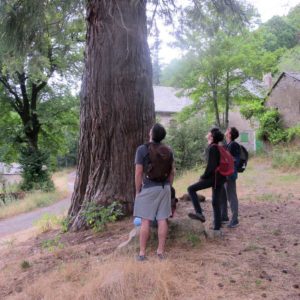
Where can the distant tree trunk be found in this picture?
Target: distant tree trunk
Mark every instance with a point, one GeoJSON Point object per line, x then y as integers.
{"type": "Point", "coordinates": [227, 99]}
{"type": "Point", "coordinates": [117, 108]}
{"type": "Point", "coordinates": [216, 108]}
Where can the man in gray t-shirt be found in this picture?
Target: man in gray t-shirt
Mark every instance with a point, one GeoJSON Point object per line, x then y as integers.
{"type": "Point", "coordinates": [153, 198]}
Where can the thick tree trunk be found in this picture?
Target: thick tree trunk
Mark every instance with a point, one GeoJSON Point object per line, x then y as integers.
{"type": "Point", "coordinates": [117, 108]}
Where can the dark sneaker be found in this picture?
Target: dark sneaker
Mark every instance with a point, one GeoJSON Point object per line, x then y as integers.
{"type": "Point", "coordinates": [197, 216]}
{"type": "Point", "coordinates": [233, 224]}
{"type": "Point", "coordinates": [225, 220]}
{"type": "Point", "coordinates": [141, 258]}
{"type": "Point", "coordinates": [161, 256]}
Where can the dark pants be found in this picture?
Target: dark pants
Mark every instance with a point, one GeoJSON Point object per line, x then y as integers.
{"type": "Point", "coordinates": [229, 194]}
{"type": "Point", "coordinates": [216, 198]}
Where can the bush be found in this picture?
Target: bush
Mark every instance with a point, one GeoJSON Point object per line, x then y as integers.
{"type": "Point", "coordinates": [188, 141]}
{"type": "Point", "coordinates": [35, 173]}
{"type": "Point", "coordinates": [97, 216]}
{"type": "Point", "coordinates": [271, 128]}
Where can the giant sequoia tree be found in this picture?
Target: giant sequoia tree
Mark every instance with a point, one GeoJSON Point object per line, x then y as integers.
{"type": "Point", "coordinates": [117, 108]}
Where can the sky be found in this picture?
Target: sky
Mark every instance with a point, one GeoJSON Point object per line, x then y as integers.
{"type": "Point", "coordinates": [266, 8]}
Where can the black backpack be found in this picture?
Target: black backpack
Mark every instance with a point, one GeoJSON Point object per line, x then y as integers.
{"type": "Point", "coordinates": [160, 162]}
{"type": "Point", "coordinates": [243, 159]}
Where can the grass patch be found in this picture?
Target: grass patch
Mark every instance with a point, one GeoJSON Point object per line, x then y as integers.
{"type": "Point", "coordinates": [38, 199]}
{"type": "Point", "coordinates": [186, 179]}
{"type": "Point", "coordinates": [52, 244]}
{"type": "Point", "coordinates": [269, 197]}
{"type": "Point", "coordinates": [48, 222]}
{"type": "Point", "coordinates": [285, 158]}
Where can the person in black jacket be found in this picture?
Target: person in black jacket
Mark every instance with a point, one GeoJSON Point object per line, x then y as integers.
{"type": "Point", "coordinates": [210, 178]}
{"type": "Point", "coordinates": [229, 192]}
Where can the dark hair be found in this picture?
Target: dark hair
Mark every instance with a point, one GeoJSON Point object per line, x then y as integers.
{"type": "Point", "coordinates": [158, 132]}
{"type": "Point", "coordinates": [234, 133]}
{"type": "Point", "coordinates": [217, 135]}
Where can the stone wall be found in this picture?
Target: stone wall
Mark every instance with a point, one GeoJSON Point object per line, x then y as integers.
{"type": "Point", "coordinates": [285, 96]}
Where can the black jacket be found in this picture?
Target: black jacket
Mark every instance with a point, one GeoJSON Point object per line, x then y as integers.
{"type": "Point", "coordinates": [213, 161]}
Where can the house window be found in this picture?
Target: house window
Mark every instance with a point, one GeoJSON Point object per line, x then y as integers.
{"type": "Point", "coordinates": [244, 137]}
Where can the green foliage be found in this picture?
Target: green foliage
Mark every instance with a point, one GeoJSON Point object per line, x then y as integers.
{"type": "Point", "coordinates": [35, 173]}
{"type": "Point", "coordinates": [252, 109]}
{"type": "Point", "coordinates": [271, 128]}
{"type": "Point", "coordinates": [293, 133]}
{"type": "Point", "coordinates": [47, 222]}
{"type": "Point", "coordinates": [279, 34]}
{"type": "Point", "coordinates": [97, 216]}
{"type": "Point", "coordinates": [193, 239]}
{"type": "Point", "coordinates": [65, 222]}
{"type": "Point", "coordinates": [290, 61]}
{"type": "Point", "coordinates": [188, 141]}
{"type": "Point", "coordinates": [52, 244]}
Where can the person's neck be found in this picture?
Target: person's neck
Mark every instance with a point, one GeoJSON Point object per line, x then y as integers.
{"type": "Point", "coordinates": [228, 141]}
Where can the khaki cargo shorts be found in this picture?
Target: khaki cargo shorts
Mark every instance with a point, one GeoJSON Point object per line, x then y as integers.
{"type": "Point", "coordinates": [153, 203]}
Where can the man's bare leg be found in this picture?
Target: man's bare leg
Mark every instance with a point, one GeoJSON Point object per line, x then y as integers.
{"type": "Point", "coordinates": [162, 235]}
{"type": "Point", "coordinates": [144, 235]}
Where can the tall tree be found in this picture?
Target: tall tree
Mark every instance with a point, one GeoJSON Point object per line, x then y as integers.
{"type": "Point", "coordinates": [35, 49]}
{"type": "Point", "coordinates": [117, 108]}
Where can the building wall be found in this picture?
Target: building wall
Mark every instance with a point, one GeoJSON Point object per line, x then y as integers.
{"type": "Point", "coordinates": [247, 136]}
{"type": "Point", "coordinates": [286, 97]}
{"type": "Point", "coordinates": [164, 118]}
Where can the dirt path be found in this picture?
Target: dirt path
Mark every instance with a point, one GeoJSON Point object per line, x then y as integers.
{"type": "Point", "coordinates": [26, 220]}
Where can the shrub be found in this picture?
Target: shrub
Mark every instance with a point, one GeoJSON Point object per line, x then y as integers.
{"type": "Point", "coordinates": [188, 141]}
{"type": "Point", "coordinates": [35, 173]}
{"type": "Point", "coordinates": [97, 216]}
{"type": "Point", "coordinates": [271, 128]}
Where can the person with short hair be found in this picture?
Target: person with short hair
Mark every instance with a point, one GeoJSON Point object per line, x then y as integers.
{"type": "Point", "coordinates": [153, 197]}
{"type": "Point", "coordinates": [210, 178]}
{"type": "Point", "coordinates": [229, 193]}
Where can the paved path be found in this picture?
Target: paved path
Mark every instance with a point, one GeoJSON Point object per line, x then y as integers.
{"type": "Point", "coordinates": [26, 220]}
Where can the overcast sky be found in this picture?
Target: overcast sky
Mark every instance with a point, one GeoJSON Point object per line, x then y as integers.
{"type": "Point", "coordinates": [266, 8]}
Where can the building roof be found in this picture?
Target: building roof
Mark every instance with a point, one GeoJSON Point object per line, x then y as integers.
{"type": "Point", "coordinates": [165, 100]}
{"type": "Point", "coordinates": [293, 75]}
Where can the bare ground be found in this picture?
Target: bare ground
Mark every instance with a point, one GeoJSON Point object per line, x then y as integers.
{"type": "Point", "coordinates": [259, 259]}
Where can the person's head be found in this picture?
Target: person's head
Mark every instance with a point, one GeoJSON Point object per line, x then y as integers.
{"type": "Point", "coordinates": [231, 134]}
{"type": "Point", "coordinates": [157, 133]}
{"type": "Point", "coordinates": [214, 136]}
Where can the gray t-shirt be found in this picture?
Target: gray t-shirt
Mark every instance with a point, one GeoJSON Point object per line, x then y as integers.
{"type": "Point", "coordinates": [142, 158]}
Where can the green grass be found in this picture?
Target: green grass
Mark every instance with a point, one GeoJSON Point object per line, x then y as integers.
{"type": "Point", "coordinates": [269, 197]}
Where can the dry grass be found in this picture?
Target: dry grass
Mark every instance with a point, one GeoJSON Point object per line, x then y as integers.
{"type": "Point", "coordinates": [38, 199]}
{"type": "Point", "coordinates": [114, 278]}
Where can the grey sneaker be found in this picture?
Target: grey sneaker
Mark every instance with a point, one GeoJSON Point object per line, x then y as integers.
{"type": "Point", "coordinates": [197, 216]}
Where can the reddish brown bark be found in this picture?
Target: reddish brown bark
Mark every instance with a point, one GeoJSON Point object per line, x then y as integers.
{"type": "Point", "coordinates": [117, 108]}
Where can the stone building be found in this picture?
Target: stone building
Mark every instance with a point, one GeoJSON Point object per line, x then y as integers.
{"type": "Point", "coordinates": [285, 96]}
{"type": "Point", "coordinates": [167, 103]}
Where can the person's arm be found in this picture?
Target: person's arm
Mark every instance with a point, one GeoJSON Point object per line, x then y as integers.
{"type": "Point", "coordinates": [138, 178]}
{"type": "Point", "coordinates": [212, 163]}
{"type": "Point", "coordinates": [172, 174]}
